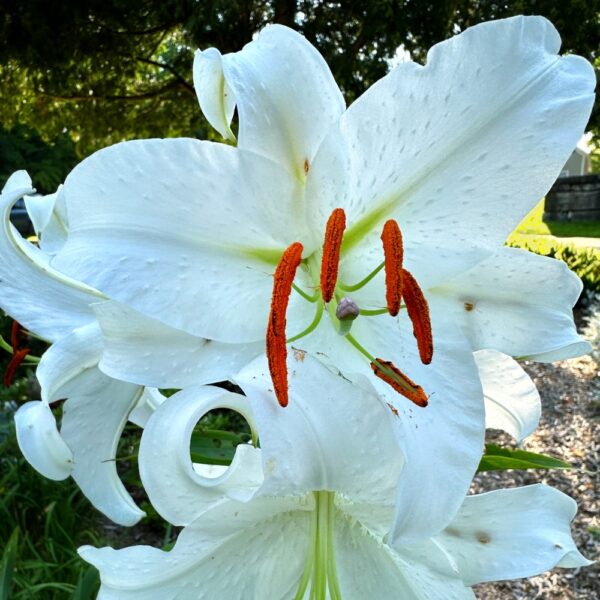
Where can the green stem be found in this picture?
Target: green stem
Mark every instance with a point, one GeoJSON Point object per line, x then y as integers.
{"type": "Point", "coordinates": [305, 295]}
{"type": "Point", "coordinates": [315, 322]}
{"type": "Point", "coordinates": [332, 575]}
{"type": "Point", "coordinates": [362, 282]}
{"type": "Point", "coordinates": [310, 556]}
{"type": "Point", "coordinates": [368, 312]}
{"type": "Point", "coordinates": [353, 341]}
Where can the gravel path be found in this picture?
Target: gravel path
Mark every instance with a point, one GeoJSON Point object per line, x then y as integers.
{"type": "Point", "coordinates": [569, 429]}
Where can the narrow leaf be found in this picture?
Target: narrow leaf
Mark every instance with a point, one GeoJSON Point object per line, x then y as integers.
{"type": "Point", "coordinates": [7, 566]}
{"type": "Point", "coordinates": [496, 458]}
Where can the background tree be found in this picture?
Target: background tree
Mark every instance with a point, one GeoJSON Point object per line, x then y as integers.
{"type": "Point", "coordinates": [108, 70]}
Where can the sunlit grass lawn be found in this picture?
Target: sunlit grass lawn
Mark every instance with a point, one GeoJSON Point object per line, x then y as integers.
{"type": "Point", "coordinates": [533, 224]}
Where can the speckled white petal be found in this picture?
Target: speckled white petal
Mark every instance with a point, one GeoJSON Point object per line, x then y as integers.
{"type": "Point", "coordinates": [49, 219]}
{"type": "Point", "coordinates": [442, 443]}
{"type": "Point", "coordinates": [94, 416]}
{"type": "Point", "coordinates": [516, 302]}
{"type": "Point", "coordinates": [145, 351]}
{"type": "Point", "coordinates": [512, 402]}
{"type": "Point", "coordinates": [40, 442]}
{"type": "Point", "coordinates": [458, 150]}
{"type": "Point", "coordinates": [72, 356]}
{"type": "Point", "coordinates": [286, 97]}
{"type": "Point", "coordinates": [187, 232]}
{"type": "Point", "coordinates": [175, 489]}
{"type": "Point", "coordinates": [368, 568]}
{"type": "Point", "coordinates": [512, 533]}
{"type": "Point", "coordinates": [149, 401]}
{"type": "Point", "coordinates": [214, 95]}
{"type": "Point", "coordinates": [331, 436]}
{"type": "Point", "coordinates": [41, 299]}
{"type": "Point", "coordinates": [216, 557]}
{"type": "Point", "coordinates": [92, 424]}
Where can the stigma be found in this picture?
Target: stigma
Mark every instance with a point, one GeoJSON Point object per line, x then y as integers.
{"type": "Point", "coordinates": [400, 285]}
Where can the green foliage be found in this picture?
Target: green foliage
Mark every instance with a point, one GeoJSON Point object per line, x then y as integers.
{"type": "Point", "coordinates": [7, 564]}
{"type": "Point", "coordinates": [584, 262]}
{"type": "Point", "coordinates": [48, 163]}
{"type": "Point", "coordinates": [496, 458]}
{"type": "Point", "coordinates": [108, 70]}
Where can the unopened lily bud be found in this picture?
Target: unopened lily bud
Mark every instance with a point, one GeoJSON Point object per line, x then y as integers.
{"type": "Point", "coordinates": [347, 310]}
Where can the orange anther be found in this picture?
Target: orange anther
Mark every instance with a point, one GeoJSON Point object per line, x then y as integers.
{"type": "Point", "coordinates": [418, 311]}
{"type": "Point", "coordinates": [13, 365]}
{"type": "Point", "coordinates": [394, 253]}
{"type": "Point", "coordinates": [393, 376]}
{"type": "Point", "coordinates": [276, 348]}
{"type": "Point", "coordinates": [334, 232]}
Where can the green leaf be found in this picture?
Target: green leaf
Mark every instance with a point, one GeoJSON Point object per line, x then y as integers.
{"type": "Point", "coordinates": [7, 566]}
{"type": "Point", "coordinates": [87, 585]}
{"type": "Point", "coordinates": [502, 459]}
{"type": "Point", "coordinates": [214, 447]}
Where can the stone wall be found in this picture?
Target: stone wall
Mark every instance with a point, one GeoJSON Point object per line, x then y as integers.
{"type": "Point", "coordinates": [574, 199]}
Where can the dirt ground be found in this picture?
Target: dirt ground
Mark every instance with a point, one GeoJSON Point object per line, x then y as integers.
{"type": "Point", "coordinates": [569, 429]}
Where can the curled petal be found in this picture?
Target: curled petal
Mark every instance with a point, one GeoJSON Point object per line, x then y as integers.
{"type": "Point", "coordinates": [177, 491]}
{"type": "Point", "coordinates": [40, 442]}
{"type": "Point", "coordinates": [512, 402]}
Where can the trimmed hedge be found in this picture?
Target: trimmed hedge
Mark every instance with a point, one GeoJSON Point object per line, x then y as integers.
{"type": "Point", "coordinates": [585, 262]}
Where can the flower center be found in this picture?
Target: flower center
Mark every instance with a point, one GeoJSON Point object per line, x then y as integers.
{"type": "Point", "coordinates": [320, 570]}
{"type": "Point", "coordinates": [400, 285]}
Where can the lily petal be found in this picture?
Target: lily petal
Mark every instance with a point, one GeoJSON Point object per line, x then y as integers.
{"type": "Point", "coordinates": [40, 298]}
{"type": "Point", "coordinates": [214, 94]}
{"type": "Point", "coordinates": [94, 416]}
{"type": "Point", "coordinates": [286, 96]}
{"type": "Point", "coordinates": [49, 219]}
{"type": "Point", "coordinates": [184, 231]}
{"type": "Point", "coordinates": [480, 132]}
{"type": "Point", "coordinates": [441, 443]}
{"type": "Point", "coordinates": [222, 555]}
{"type": "Point", "coordinates": [512, 533]}
{"type": "Point", "coordinates": [143, 350]}
{"type": "Point", "coordinates": [175, 489]}
{"type": "Point", "coordinates": [369, 569]}
{"type": "Point", "coordinates": [512, 402]}
{"type": "Point", "coordinates": [331, 436]}
{"type": "Point", "coordinates": [149, 401]}
{"type": "Point", "coordinates": [40, 442]}
{"type": "Point", "coordinates": [519, 303]}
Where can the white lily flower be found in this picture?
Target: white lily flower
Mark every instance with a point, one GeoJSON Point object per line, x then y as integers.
{"type": "Point", "coordinates": [59, 310]}
{"type": "Point", "coordinates": [188, 233]}
{"type": "Point", "coordinates": [312, 512]}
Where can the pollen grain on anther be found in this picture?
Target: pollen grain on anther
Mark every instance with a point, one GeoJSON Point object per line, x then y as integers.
{"type": "Point", "coordinates": [418, 311]}
{"type": "Point", "coordinates": [394, 377]}
{"type": "Point", "coordinates": [334, 232]}
{"type": "Point", "coordinates": [276, 346]}
{"type": "Point", "coordinates": [394, 254]}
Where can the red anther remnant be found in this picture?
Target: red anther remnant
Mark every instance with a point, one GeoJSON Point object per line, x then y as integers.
{"type": "Point", "coordinates": [334, 232]}
{"type": "Point", "coordinates": [16, 335]}
{"type": "Point", "coordinates": [16, 338]}
{"type": "Point", "coordinates": [418, 311]}
{"type": "Point", "coordinates": [276, 348]}
{"type": "Point", "coordinates": [12, 366]}
{"type": "Point", "coordinates": [393, 376]}
{"type": "Point", "coordinates": [394, 254]}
